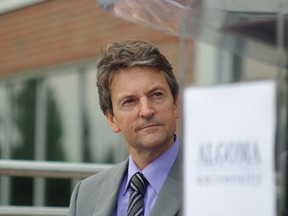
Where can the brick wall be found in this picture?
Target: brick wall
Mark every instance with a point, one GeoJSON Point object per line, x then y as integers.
{"type": "Point", "coordinates": [58, 31]}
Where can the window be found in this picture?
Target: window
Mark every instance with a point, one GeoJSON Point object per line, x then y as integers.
{"type": "Point", "coordinates": [53, 116]}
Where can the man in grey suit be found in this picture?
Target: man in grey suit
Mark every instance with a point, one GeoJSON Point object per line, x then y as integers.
{"type": "Point", "coordinates": [139, 96]}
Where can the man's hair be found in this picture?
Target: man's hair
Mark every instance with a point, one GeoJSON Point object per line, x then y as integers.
{"type": "Point", "coordinates": [126, 54]}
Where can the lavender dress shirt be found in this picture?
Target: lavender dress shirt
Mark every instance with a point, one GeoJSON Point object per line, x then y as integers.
{"type": "Point", "coordinates": [156, 173]}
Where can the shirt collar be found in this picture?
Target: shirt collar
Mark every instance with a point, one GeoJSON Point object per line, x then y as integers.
{"type": "Point", "coordinates": [157, 171]}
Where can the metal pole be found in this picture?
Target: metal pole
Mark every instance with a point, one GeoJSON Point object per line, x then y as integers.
{"type": "Point", "coordinates": [40, 139]}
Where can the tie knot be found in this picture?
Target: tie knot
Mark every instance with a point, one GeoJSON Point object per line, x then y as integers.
{"type": "Point", "coordinates": [138, 183]}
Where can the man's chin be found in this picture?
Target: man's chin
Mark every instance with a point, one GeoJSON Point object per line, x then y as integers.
{"type": "Point", "coordinates": [152, 141]}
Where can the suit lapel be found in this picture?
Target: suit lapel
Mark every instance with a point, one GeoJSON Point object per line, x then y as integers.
{"type": "Point", "coordinates": [108, 193]}
{"type": "Point", "coordinates": [168, 202]}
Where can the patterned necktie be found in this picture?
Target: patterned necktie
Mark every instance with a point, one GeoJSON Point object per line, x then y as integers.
{"type": "Point", "coordinates": [137, 189]}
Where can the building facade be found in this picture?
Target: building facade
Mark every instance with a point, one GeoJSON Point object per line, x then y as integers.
{"type": "Point", "coordinates": [48, 98]}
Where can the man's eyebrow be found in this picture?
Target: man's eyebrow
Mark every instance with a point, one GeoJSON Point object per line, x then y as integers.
{"type": "Point", "coordinates": [131, 95]}
{"type": "Point", "coordinates": [156, 88]}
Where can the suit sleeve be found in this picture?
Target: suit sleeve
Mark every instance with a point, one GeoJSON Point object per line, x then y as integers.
{"type": "Point", "coordinates": [73, 202]}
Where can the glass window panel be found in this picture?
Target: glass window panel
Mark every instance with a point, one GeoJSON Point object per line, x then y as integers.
{"type": "Point", "coordinates": [22, 132]}
{"type": "Point", "coordinates": [60, 92]}
{"type": "Point", "coordinates": [62, 112]}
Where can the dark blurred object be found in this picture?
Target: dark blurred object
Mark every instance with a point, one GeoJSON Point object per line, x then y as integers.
{"type": "Point", "coordinates": [262, 30]}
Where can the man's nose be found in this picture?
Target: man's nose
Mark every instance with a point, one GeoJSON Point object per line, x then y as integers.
{"type": "Point", "coordinates": [146, 108]}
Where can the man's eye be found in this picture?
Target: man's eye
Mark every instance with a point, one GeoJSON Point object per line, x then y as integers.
{"type": "Point", "coordinates": [128, 101]}
{"type": "Point", "coordinates": [157, 94]}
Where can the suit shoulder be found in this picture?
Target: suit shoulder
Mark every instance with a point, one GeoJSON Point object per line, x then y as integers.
{"type": "Point", "coordinates": [87, 191]}
{"type": "Point", "coordinates": [98, 178]}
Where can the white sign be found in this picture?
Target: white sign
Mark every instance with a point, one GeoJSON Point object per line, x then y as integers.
{"type": "Point", "coordinates": [229, 136]}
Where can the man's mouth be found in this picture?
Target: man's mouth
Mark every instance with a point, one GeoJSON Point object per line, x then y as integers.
{"type": "Point", "coordinates": [148, 126]}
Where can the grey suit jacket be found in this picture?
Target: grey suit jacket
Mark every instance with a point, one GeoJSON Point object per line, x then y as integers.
{"type": "Point", "coordinates": [97, 195]}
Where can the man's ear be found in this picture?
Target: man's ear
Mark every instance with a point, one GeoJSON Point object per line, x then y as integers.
{"type": "Point", "coordinates": [112, 122]}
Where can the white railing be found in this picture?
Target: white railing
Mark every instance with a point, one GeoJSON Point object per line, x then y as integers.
{"type": "Point", "coordinates": [44, 169]}
{"type": "Point", "coordinates": [49, 169]}
{"type": "Point", "coordinates": [32, 211]}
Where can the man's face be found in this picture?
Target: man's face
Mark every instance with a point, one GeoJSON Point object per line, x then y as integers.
{"type": "Point", "coordinates": [144, 109]}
